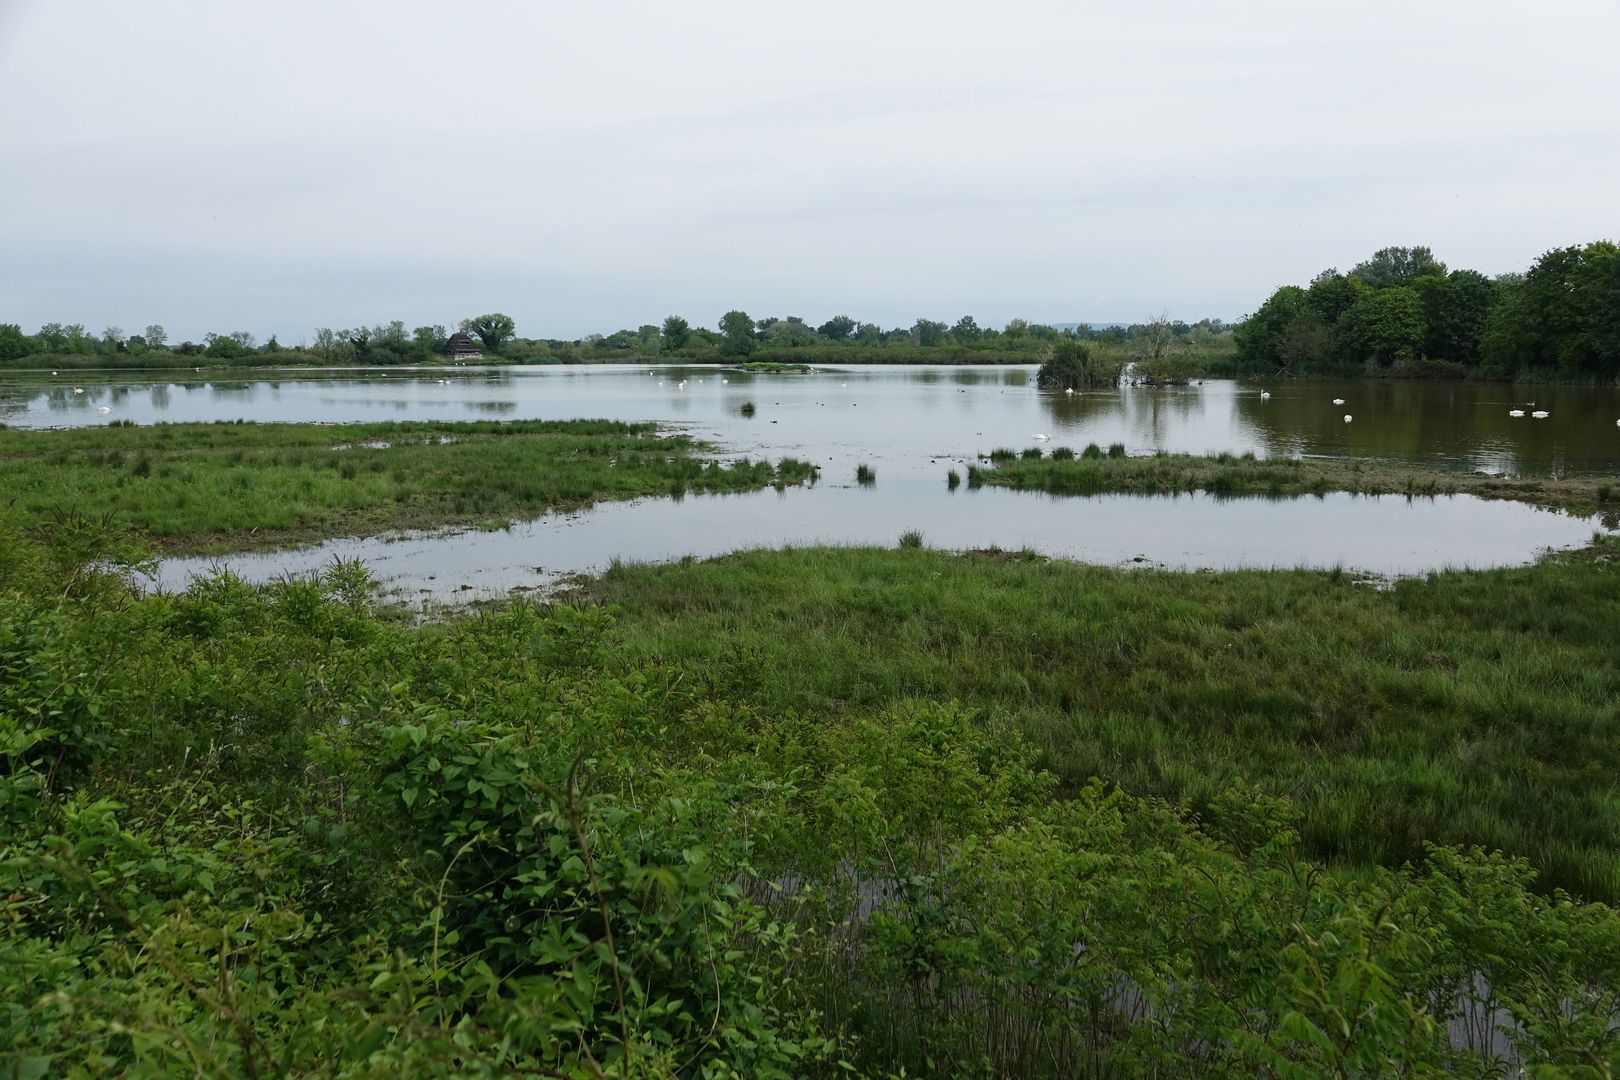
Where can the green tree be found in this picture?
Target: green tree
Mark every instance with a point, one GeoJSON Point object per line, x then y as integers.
{"type": "Point", "coordinates": [492, 329]}
{"type": "Point", "coordinates": [1603, 298]}
{"type": "Point", "coordinates": [1455, 308]}
{"type": "Point", "coordinates": [966, 331]}
{"type": "Point", "coordinates": [837, 328]}
{"type": "Point", "coordinates": [677, 332]}
{"type": "Point", "coordinates": [1260, 336]}
{"type": "Point", "coordinates": [739, 331]}
{"type": "Point", "coordinates": [790, 332]}
{"type": "Point", "coordinates": [928, 333]}
{"type": "Point", "coordinates": [14, 344]}
{"type": "Point", "coordinates": [326, 340]}
{"type": "Point", "coordinates": [1073, 367]}
{"type": "Point", "coordinates": [1331, 294]}
{"type": "Point", "coordinates": [52, 338]}
{"type": "Point", "coordinates": [869, 333]}
{"type": "Point", "coordinates": [1384, 327]}
{"type": "Point", "coordinates": [1017, 328]}
{"type": "Point", "coordinates": [1394, 266]}
{"type": "Point", "coordinates": [228, 346]}
{"type": "Point", "coordinates": [156, 337]}
{"type": "Point", "coordinates": [426, 340]}
{"type": "Point", "coordinates": [1556, 318]}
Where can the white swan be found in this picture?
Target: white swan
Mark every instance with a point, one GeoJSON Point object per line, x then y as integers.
{"type": "Point", "coordinates": [1338, 401]}
{"type": "Point", "coordinates": [1515, 412]}
{"type": "Point", "coordinates": [1043, 438]}
{"type": "Point", "coordinates": [1347, 418]}
{"type": "Point", "coordinates": [1540, 414]}
{"type": "Point", "coordinates": [103, 410]}
{"type": "Point", "coordinates": [1265, 395]}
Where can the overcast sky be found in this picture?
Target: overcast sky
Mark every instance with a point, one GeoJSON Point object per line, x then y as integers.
{"type": "Point", "coordinates": [275, 167]}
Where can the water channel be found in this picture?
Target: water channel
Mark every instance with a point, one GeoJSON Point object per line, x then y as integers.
{"type": "Point", "coordinates": [912, 424]}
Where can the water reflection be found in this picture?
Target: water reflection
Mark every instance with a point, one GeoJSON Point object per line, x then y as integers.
{"type": "Point", "coordinates": [1387, 535]}
{"type": "Point", "coordinates": [897, 413]}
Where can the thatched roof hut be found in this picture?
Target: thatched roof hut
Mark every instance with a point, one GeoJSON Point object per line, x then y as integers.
{"type": "Point", "coordinates": [463, 346]}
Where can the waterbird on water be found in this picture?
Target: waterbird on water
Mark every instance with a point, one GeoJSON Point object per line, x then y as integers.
{"type": "Point", "coordinates": [1540, 414]}
{"type": "Point", "coordinates": [1515, 412]}
{"type": "Point", "coordinates": [1265, 395]}
{"type": "Point", "coordinates": [1043, 438]}
{"type": "Point", "coordinates": [104, 410]}
{"type": "Point", "coordinates": [1338, 401]}
{"type": "Point", "coordinates": [1347, 418]}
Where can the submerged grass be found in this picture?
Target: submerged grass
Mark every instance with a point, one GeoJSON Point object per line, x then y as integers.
{"type": "Point", "coordinates": [1467, 708]}
{"type": "Point", "coordinates": [218, 487]}
{"type": "Point", "coordinates": [1245, 475]}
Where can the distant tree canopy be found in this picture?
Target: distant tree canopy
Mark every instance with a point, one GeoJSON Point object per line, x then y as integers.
{"type": "Point", "coordinates": [1402, 310]}
{"type": "Point", "coordinates": [492, 329]}
{"type": "Point", "coordinates": [677, 332]}
{"type": "Point", "coordinates": [840, 339]}
{"type": "Point", "coordinates": [1073, 367]}
{"type": "Point", "coordinates": [738, 329]}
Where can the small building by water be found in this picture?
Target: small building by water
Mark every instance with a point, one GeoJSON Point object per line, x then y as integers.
{"type": "Point", "coordinates": [462, 346]}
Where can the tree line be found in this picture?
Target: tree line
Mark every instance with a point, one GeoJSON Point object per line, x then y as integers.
{"type": "Point", "coordinates": [1403, 312]}
{"type": "Point", "coordinates": [735, 335]}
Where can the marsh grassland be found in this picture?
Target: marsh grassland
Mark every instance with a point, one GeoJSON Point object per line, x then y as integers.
{"type": "Point", "coordinates": [221, 487]}
{"type": "Point", "coordinates": [1094, 472]}
{"type": "Point", "coordinates": [807, 812]}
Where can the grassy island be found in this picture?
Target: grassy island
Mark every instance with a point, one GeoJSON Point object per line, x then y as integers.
{"type": "Point", "coordinates": [775, 367]}
{"type": "Point", "coordinates": [223, 487]}
{"type": "Point", "coordinates": [1095, 472]}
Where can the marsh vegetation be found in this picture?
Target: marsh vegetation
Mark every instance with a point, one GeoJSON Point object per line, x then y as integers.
{"type": "Point", "coordinates": [1092, 473]}
{"type": "Point", "coordinates": [222, 487]}
{"type": "Point", "coordinates": [808, 813]}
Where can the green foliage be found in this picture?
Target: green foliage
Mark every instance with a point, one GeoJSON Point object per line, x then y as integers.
{"type": "Point", "coordinates": [1072, 366]}
{"type": "Point", "coordinates": [837, 329]}
{"type": "Point", "coordinates": [492, 329]}
{"type": "Point", "coordinates": [1469, 708]}
{"type": "Point", "coordinates": [1401, 312]}
{"type": "Point", "coordinates": [1260, 339]}
{"type": "Point", "coordinates": [226, 486]}
{"type": "Point", "coordinates": [265, 832]}
{"type": "Point", "coordinates": [1245, 475]}
{"type": "Point", "coordinates": [1560, 317]}
{"type": "Point", "coordinates": [928, 333]}
{"type": "Point", "coordinates": [738, 329]}
{"type": "Point", "coordinates": [1385, 327]}
{"type": "Point", "coordinates": [1395, 266]}
{"type": "Point", "coordinates": [14, 344]}
{"type": "Point", "coordinates": [677, 332]}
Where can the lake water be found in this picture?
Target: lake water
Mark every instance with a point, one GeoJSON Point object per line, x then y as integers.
{"type": "Point", "coordinates": [912, 424]}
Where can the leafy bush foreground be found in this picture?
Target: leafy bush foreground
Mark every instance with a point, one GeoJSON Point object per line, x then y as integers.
{"type": "Point", "coordinates": [271, 832]}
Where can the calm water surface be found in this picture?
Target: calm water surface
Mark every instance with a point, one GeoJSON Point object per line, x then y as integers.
{"type": "Point", "coordinates": [912, 424]}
